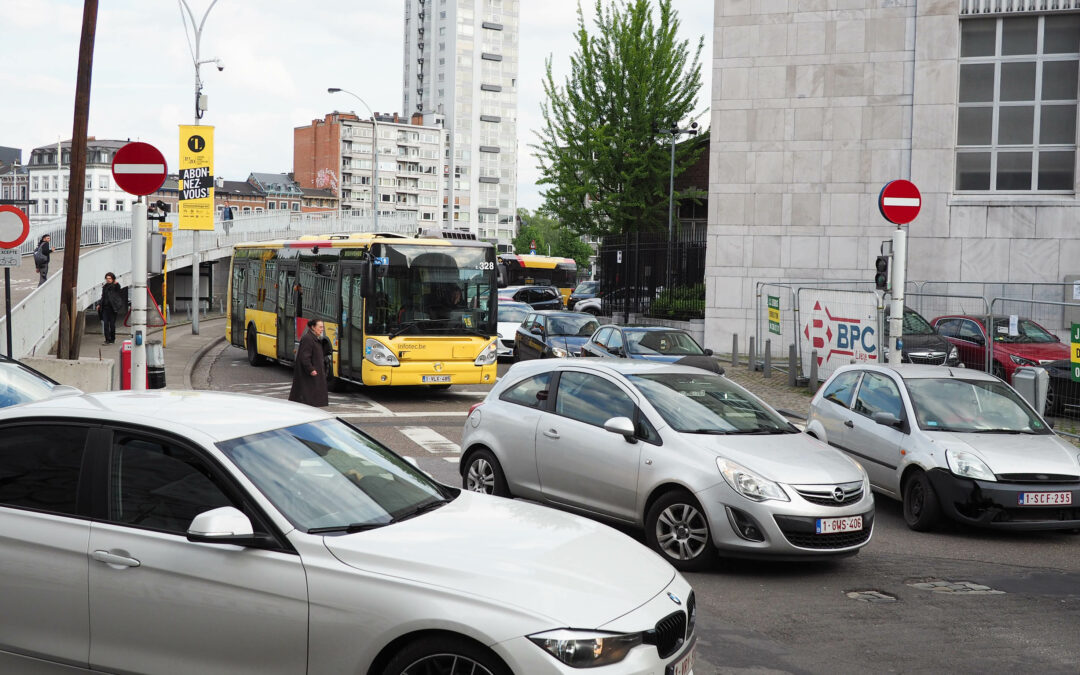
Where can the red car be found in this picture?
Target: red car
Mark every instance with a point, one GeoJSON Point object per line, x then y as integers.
{"type": "Point", "coordinates": [1032, 345]}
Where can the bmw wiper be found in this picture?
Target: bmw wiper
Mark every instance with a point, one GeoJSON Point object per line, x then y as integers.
{"type": "Point", "coordinates": [423, 508]}
{"type": "Point", "coordinates": [347, 529]}
{"type": "Point", "coordinates": [762, 432]}
{"type": "Point", "coordinates": [717, 432]}
{"type": "Point", "coordinates": [1004, 431]}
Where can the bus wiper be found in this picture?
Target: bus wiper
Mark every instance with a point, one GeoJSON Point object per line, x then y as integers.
{"type": "Point", "coordinates": [401, 329]}
{"type": "Point", "coordinates": [348, 529]}
{"type": "Point", "coordinates": [423, 508]}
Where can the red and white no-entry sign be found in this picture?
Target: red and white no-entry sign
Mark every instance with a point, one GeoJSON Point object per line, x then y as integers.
{"type": "Point", "coordinates": [139, 168]}
{"type": "Point", "coordinates": [14, 226]}
{"type": "Point", "coordinates": [899, 202]}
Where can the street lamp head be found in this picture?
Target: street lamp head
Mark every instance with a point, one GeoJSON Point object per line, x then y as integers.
{"type": "Point", "coordinates": [332, 90]}
{"type": "Point", "coordinates": [220, 64]}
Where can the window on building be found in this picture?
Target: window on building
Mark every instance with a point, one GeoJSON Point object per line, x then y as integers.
{"type": "Point", "coordinates": [34, 183]}
{"type": "Point", "coordinates": [103, 205]}
{"type": "Point", "coordinates": [119, 204]}
{"type": "Point", "coordinates": [103, 182]}
{"type": "Point", "coordinates": [296, 206]}
{"type": "Point", "coordinates": [1016, 126]}
{"type": "Point", "coordinates": [45, 206]}
{"type": "Point", "coordinates": [271, 205]}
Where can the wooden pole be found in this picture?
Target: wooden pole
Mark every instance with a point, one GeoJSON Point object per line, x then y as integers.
{"type": "Point", "coordinates": [68, 348]}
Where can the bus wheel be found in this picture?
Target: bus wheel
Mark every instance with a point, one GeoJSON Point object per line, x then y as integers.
{"type": "Point", "coordinates": [254, 357]}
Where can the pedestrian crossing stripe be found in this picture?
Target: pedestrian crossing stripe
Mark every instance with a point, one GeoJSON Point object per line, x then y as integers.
{"type": "Point", "coordinates": [430, 440]}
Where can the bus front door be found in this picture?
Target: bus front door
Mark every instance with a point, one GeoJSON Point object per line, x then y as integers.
{"type": "Point", "coordinates": [237, 301]}
{"type": "Point", "coordinates": [351, 334]}
{"type": "Point", "coordinates": [287, 300]}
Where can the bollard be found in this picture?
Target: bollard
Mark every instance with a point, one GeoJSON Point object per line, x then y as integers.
{"type": "Point", "coordinates": [767, 369]}
{"type": "Point", "coordinates": [812, 383]}
{"type": "Point", "coordinates": [734, 350]}
{"type": "Point", "coordinates": [792, 360]}
{"type": "Point", "coordinates": [752, 355]}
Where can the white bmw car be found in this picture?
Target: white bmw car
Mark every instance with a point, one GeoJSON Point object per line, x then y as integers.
{"type": "Point", "coordinates": [196, 532]}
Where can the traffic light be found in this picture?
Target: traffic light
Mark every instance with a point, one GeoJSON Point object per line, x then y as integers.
{"type": "Point", "coordinates": [881, 277]}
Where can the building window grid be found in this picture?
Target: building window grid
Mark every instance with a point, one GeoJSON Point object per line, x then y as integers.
{"type": "Point", "coordinates": [996, 149]}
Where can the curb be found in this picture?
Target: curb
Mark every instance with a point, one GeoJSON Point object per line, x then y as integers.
{"type": "Point", "coordinates": [196, 357]}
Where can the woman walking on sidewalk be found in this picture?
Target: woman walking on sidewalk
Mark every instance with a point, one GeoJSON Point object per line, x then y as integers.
{"type": "Point", "coordinates": [309, 371]}
{"type": "Point", "coordinates": [41, 258]}
{"type": "Point", "coordinates": [111, 305]}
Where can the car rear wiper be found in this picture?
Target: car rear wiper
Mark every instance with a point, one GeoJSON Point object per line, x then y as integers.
{"type": "Point", "coordinates": [348, 529]}
{"type": "Point", "coordinates": [423, 508]}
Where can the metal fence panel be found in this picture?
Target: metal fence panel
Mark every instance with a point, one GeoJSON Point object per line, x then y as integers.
{"type": "Point", "coordinates": [642, 273]}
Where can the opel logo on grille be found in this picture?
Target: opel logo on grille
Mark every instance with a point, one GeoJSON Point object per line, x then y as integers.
{"type": "Point", "coordinates": [838, 494]}
{"type": "Point", "coordinates": [674, 598]}
{"type": "Point", "coordinates": [438, 367]}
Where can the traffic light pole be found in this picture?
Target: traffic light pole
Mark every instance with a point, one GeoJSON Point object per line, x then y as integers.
{"type": "Point", "coordinates": [896, 310]}
{"type": "Point", "coordinates": [139, 231]}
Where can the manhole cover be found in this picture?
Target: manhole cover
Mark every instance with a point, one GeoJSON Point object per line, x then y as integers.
{"type": "Point", "coordinates": [954, 587]}
{"type": "Point", "coordinates": [871, 596]}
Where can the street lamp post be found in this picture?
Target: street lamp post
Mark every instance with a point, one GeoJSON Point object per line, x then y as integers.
{"type": "Point", "coordinates": [200, 108]}
{"type": "Point", "coordinates": [375, 154]}
{"type": "Point", "coordinates": [674, 131]}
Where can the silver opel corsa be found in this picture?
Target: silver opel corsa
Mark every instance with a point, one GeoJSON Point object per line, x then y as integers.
{"type": "Point", "coordinates": [694, 459]}
{"type": "Point", "coordinates": [198, 532]}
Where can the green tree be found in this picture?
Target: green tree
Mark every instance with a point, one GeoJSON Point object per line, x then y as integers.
{"type": "Point", "coordinates": [600, 151]}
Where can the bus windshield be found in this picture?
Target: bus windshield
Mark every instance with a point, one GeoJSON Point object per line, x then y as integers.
{"type": "Point", "coordinates": [425, 290]}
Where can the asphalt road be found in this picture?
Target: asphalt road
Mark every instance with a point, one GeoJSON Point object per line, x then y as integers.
{"type": "Point", "coordinates": [959, 600]}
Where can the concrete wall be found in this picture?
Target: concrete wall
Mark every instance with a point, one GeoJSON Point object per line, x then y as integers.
{"type": "Point", "coordinates": [88, 374]}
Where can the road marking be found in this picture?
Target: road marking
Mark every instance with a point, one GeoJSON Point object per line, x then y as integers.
{"type": "Point", "coordinates": [430, 440]}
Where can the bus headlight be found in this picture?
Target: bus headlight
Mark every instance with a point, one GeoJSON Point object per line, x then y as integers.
{"type": "Point", "coordinates": [379, 354]}
{"type": "Point", "coordinates": [489, 356]}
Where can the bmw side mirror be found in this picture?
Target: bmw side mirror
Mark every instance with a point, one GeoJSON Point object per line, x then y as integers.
{"type": "Point", "coordinates": [886, 419]}
{"type": "Point", "coordinates": [225, 525]}
{"type": "Point", "coordinates": [622, 426]}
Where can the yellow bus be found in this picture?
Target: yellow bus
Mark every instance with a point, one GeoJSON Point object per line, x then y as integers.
{"type": "Point", "coordinates": [398, 311]}
{"type": "Point", "coordinates": [541, 270]}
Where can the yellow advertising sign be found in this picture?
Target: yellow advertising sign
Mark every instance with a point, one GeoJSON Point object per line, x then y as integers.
{"type": "Point", "coordinates": [196, 208]}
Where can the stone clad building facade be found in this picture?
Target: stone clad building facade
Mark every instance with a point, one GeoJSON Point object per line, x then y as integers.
{"type": "Point", "coordinates": [816, 104]}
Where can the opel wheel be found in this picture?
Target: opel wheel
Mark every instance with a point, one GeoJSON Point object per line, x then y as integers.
{"type": "Point", "coordinates": [483, 474]}
{"type": "Point", "coordinates": [676, 527]}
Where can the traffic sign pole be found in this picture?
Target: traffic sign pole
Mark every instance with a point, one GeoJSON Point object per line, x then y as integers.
{"type": "Point", "coordinates": [14, 228]}
{"type": "Point", "coordinates": [139, 233]}
{"type": "Point", "coordinates": [896, 312]}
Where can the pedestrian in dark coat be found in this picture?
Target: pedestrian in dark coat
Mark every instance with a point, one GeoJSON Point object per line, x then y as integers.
{"type": "Point", "coordinates": [112, 304]}
{"type": "Point", "coordinates": [309, 371]}
{"type": "Point", "coordinates": [41, 258]}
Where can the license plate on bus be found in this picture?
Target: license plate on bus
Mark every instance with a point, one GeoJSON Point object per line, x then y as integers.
{"type": "Point", "coordinates": [837, 525]}
{"type": "Point", "coordinates": [435, 379]}
{"type": "Point", "coordinates": [683, 666]}
{"type": "Point", "coordinates": [1044, 498]}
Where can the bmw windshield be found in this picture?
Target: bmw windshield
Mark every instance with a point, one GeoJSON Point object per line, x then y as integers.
{"type": "Point", "coordinates": [432, 290]}
{"type": "Point", "coordinates": [328, 477]}
{"type": "Point", "coordinates": [708, 404]}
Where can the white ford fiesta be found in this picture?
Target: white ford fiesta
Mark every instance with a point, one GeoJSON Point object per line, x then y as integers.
{"type": "Point", "coordinates": [164, 532]}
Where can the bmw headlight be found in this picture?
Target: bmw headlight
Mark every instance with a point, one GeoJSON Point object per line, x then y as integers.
{"type": "Point", "coordinates": [558, 352]}
{"type": "Point", "coordinates": [379, 354]}
{"type": "Point", "coordinates": [967, 465]}
{"type": "Point", "coordinates": [489, 356]}
{"type": "Point", "coordinates": [749, 484]}
{"type": "Point", "coordinates": [1021, 361]}
{"type": "Point", "coordinates": [586, 649]}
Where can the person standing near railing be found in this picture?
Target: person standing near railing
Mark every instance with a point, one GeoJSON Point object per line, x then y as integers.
{"type": "Point", "coordinates": [41, 258]}
{"type": "Point", "coordinates": [112, 304]}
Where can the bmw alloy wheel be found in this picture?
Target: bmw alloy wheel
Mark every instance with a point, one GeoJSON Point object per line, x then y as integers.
{"type": "Point", "coordinates": [481, 477]}
{"type": "Point", "coordinates": [682, 532]}
{"type": "Point", "coordinates": [446, 664]}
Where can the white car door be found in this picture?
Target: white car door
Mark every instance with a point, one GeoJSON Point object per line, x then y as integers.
{"type": "Point", "coordinates": [580, 463]}
{"type": "Point", "coordinates": [162, 604]}
{"type": "Point", "coordinates": [43, 538]}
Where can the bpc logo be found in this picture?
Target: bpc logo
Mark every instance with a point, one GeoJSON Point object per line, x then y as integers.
{"type": "Point", "coordinates": [842, 337]}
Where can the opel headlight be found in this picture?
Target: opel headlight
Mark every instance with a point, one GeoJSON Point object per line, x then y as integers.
{"type": "Point", "coordinates": [560, 353]}
{"type": "Point", "coordinates": [1021, 361]}
{"type": "Point", "coordinates": [586, 649]}
{"type": "Point", "coordinates": [749, 484]}
{"type": "Point", "coordinates": [379, 354]}
{"type": "Point", "coordinates": [967, 465]}
{"type": "Point", "coordinates": [489, 356]}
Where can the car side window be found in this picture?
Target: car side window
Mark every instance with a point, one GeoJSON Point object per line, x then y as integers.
{"type": "Point", "coordinates": [970, 331]}
{"type": "Point", "coordinates": [528, 391]}
{"type": "Point", "coordinates": [947, 327]}
{"type": "Point", "coordinates": [158, 485]}
{"type": "Point", "coordinates": [878, 394]}
{"type": "Point", "coordinates": [601, 338]}
{"type": "Point", "coordinates": [616, 342]}
{"type": "Point", "coordinates": [841, 389]}
{"type": "Point", "coordinates": [38, 474]}
{"type": "Point", "coordinates": [591, 399]}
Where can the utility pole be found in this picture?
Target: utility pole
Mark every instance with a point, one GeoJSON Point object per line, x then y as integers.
{"type": "Point", "coordinates": [68, 346]}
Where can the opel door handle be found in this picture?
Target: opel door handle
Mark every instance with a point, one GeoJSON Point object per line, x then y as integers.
{"type": "Point", "coordinates": [114, 559]}
{"type": "Point", "coordinates": [551, 433]}
{"type": "Point", "coordinates": [849, 424]}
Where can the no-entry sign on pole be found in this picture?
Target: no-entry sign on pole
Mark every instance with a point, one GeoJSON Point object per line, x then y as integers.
{"type": "Point", "coordinates": [899, 202]}
{"type": "Point", "coordinates": [139, 168]}
{"type": "Point", "coordinates": [14, 226]}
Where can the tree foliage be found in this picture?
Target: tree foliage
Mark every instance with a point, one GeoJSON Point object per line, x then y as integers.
{"type": "Point", "coordinates": [546, 231]}
{"type": "Point", "coordinates": [600, 151]}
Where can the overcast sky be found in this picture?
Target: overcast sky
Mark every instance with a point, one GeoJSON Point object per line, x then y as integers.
{"type": "Point", "coordinates": [280, 56]}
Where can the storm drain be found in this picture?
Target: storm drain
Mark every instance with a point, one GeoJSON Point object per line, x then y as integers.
{"type": "Point", "coordinates": [871, 596]}
{"type": "Point", "coordinates": [954, 587]}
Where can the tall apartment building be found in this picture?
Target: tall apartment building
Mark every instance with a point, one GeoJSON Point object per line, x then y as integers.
{"type": "Point", "coordinates": [461, 61]}
{"type": "Point", "coordinates": [50, 177]}
{"type": "Point", "coordinates": [338, 153]}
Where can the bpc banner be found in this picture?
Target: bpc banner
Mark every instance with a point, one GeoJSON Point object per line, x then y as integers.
{"type": "Point", "coordinates": [196, 210]}
{"type": "Point", "coordinates": [843, 326]}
